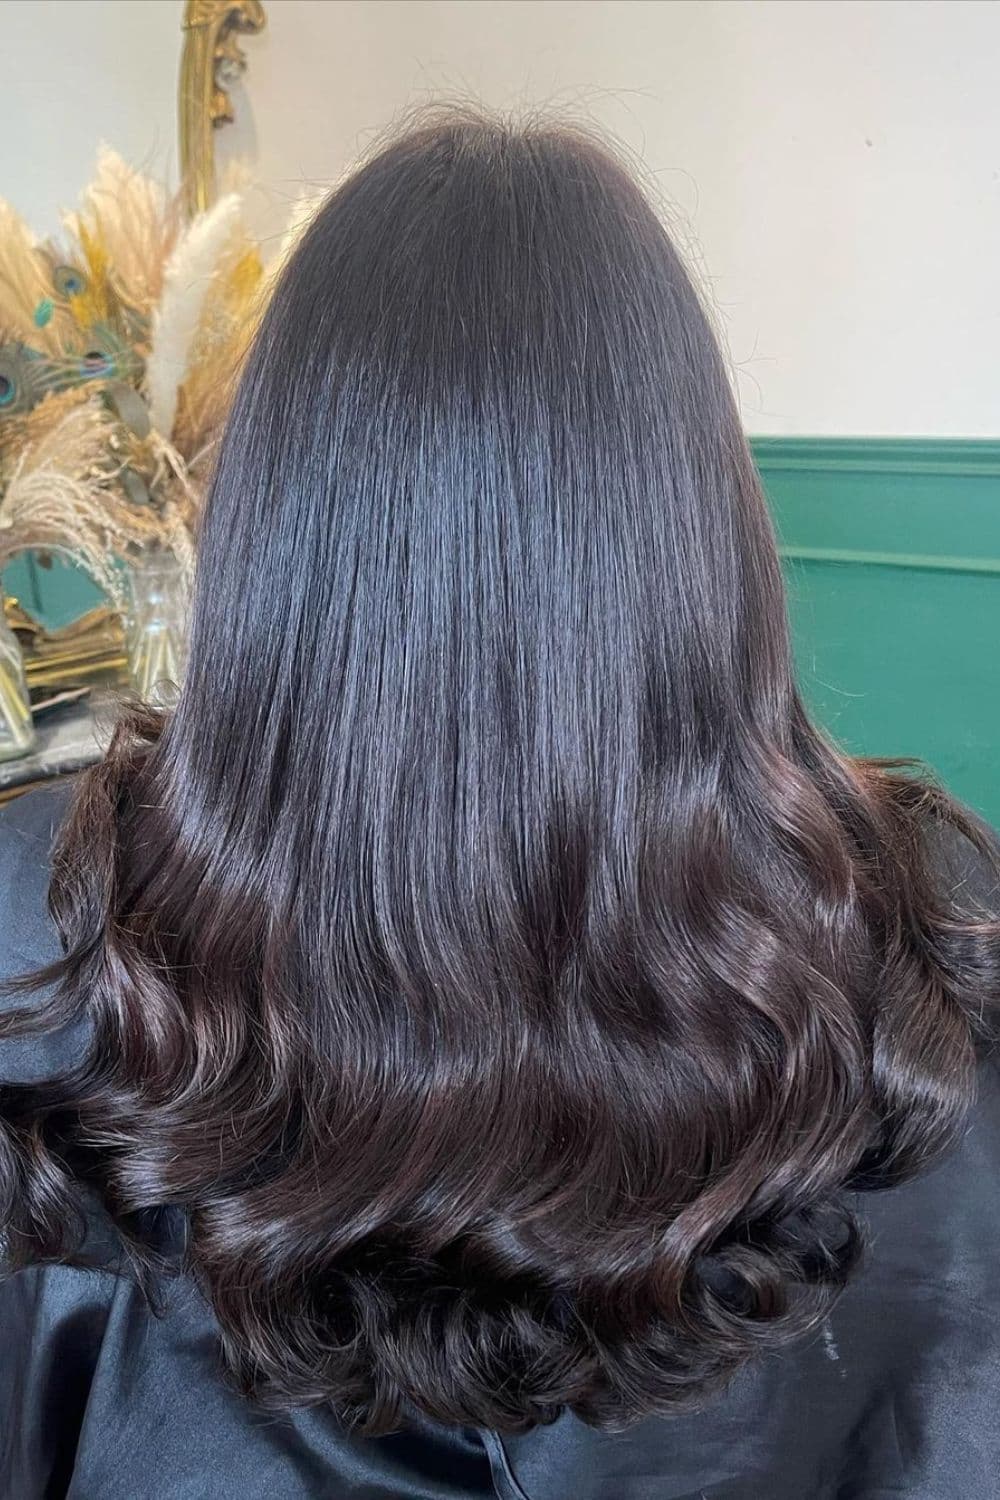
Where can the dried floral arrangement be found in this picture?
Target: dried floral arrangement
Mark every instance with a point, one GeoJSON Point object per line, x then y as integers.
{"type": "Point", "coordinates": [118, 351]}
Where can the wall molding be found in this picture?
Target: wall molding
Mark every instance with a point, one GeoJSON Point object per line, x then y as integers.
{"type": "Point", "coordinates": [926, 504]}
{"type": "Point", "coordinates": [911, 560]}
{"type": "Point", "coordinates": [878, 455]}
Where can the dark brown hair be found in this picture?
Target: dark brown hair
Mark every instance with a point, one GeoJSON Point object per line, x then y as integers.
{"type": "Point", "coordinates": [488, 963]}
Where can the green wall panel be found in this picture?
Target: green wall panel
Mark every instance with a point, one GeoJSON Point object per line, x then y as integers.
{"type": "Point", "coordinates": [897, 665]}
{"type": "Point", "coordinates": [892, 556]}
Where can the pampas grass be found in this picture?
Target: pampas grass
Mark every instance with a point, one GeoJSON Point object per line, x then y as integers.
{"type": "Point", "coordinates": [135, 309]}
{"type": "Point", "coordinates": [68, 432]}
{"type": "Point", "coordinates": [187, 282]}
{"type": "Point", "coordinates": [26, 429]}
{"type": "Point", "coordinates": [228, 322]}
{"type": "Point", "coordinates": [60, 496]}
{"type": "Point", "coordinates": [137, 223]}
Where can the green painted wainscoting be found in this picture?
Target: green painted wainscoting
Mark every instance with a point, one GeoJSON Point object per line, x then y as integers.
{"type": "Point", "coordinates": [892, 554]}
{"type": "Point", "coordinates": [892, 557]}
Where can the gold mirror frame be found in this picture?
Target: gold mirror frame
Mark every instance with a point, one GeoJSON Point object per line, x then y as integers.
{"type": "Point", "coordinates": [211, 61]}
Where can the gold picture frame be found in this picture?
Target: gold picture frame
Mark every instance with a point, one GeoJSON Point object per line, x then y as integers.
{"type": "Point", "coordinates": [211, 61]}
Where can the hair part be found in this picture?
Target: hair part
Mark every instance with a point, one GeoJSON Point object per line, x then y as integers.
{"type": "Point", "coordinates": [487, 960]}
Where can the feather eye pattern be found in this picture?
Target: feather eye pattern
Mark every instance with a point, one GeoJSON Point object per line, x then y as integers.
{"type": "Point", "coordinates": [91, 303]}
{"type": "Point", "coordinates": [187, 283]}
{"type": "Point", "coordinates": [25, 377]}
{"type": "Point", "coordinates": [27, 312]}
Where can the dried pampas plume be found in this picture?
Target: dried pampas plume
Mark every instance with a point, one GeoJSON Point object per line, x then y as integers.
{"type": "Point", "coordinates": [60, 496]}
{"type": "Point", "coordinates": [119, 350]}
{"type": "Point", "coordinates": [187, 282]}
{"type": "Point", "coordinates": [135, 221]}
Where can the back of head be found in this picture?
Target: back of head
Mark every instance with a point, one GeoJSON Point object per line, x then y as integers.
{"type": "Point", "coordinates": [487, 955]}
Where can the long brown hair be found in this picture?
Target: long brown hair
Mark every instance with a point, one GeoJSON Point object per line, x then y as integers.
{"type": "Point", "coordinates": [487, 964]}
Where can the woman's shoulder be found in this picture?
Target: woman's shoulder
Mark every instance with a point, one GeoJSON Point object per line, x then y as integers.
{"type": "Point", "coordinates": [35, 816]}
{"type": "Point", "coordinates": [28, 939]}
{"type": "Point", "coordinates": [28, 828]}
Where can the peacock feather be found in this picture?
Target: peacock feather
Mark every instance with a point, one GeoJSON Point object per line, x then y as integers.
{"type": "Point", "coordinates": [25, 377]}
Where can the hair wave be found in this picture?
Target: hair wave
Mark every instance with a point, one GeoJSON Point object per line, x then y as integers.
{"type": "Point", "coordinates": [487, 963]}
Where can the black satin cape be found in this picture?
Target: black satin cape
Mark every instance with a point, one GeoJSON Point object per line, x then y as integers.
{"type": "Point", "coordinates": [897, 1395]}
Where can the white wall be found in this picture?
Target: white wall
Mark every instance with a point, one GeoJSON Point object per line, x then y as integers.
{"type": "Point", "coordinates": [76, 72]}
{"type": "Point", "coordinates": [836, 162]}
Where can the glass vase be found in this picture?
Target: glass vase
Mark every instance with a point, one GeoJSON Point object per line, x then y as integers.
{"type": "Point", "coordinates": [17, 729]}
{"type": "Point", "coordinates": [157, 627]}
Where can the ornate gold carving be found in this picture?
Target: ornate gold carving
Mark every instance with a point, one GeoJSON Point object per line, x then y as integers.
{"type": "Point", "coordinates": [88, 651]}
{"type": "Point", "coordinates": [211, 62]}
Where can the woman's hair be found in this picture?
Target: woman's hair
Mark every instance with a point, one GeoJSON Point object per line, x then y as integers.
{"type": "Point", "coordinates": [489, 964]}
